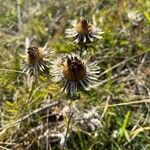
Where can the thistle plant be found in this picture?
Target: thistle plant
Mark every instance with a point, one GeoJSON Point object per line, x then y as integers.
{"type": "Point", "coordinates": [35, 60]}
{"type": "Point", "coordinates": [84, 31]}
{"type": "Point", "coordinates": [74, 71]}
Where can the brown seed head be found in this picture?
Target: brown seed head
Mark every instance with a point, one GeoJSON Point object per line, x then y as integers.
{"type": "Point", "coordinates": [83, 27]}
{"type": "Point", "coordinates": [73, 69]}
{"type": "Point", "coordinates": [35, 54]}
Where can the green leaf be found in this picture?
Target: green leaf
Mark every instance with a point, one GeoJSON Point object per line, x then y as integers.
{"type": "Point", "coordinates": [147, 16]}
{"type": "Point", "coordinates": [124, 125]}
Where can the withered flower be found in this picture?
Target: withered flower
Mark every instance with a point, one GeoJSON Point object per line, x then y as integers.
{"type": "Point", "coordinates": [84, 32]}
{"type": "Point", "coordinates": [135, 17]}
{"type": "Point", "coordinates": [35, 61]}
{"type": "Point", "coordinates": [75, 72]}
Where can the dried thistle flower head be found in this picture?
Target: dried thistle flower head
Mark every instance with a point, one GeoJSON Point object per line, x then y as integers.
{"type": "Point", "coordinates": [35, 61]}
{"type": "Point", "coordinates": [84, 31]}
{"type": "Point", "coordinates": [135, 17]}
{"type": "Point", "coordinates": [75, 72]}
{"type": "Point", "coordinates": [90, 119]}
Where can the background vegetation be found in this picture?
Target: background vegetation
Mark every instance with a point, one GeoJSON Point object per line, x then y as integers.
{"type": "Point", "coordinates": [122, 100]}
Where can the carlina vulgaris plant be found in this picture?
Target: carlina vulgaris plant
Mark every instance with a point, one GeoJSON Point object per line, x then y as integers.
{"type": "Point", "coordinates": [36, 60]}
{"type": "Point", "coordinates": [84, 32]}
{"type": "Point", "coordinates": [77, 70]}
{"type": "Point", "coordinates": [72, 70]}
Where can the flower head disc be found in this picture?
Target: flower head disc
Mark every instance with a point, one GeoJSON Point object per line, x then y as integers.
{"type": "Point", "coordinates": [73, 69]}
{"type": "Point", "coordinates": [83, 27]}
{"type": "Point", "coordinates": [84, 32]}
{"type": "Point", "coordinates": [33, 55]}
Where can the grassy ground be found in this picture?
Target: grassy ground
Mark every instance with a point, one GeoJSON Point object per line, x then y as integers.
{"type": "Point", "coordinates": [115, 115]}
